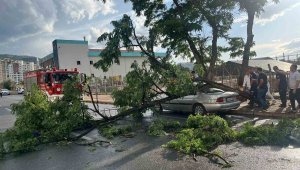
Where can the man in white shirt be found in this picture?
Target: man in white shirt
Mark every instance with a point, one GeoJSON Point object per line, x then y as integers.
{"type": "Point", "coordinates": [294, 82]}
{"type": "Point", "coordinates": [247, 82]}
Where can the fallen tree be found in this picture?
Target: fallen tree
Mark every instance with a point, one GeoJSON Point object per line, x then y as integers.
{"type": "Point", "coordinates": [40, 121]}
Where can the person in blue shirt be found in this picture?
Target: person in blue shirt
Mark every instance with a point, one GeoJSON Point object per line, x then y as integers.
{"type": "Point", "coordinates": [253, 89]}
{"type": "Point", "coordinates": [262, 89]}
{"type": "Point", "coordinates": [282, 85]}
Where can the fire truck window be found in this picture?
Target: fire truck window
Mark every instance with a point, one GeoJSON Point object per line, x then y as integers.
{"type": "Point", "coordinates": [59, 78]}
{"type": "Point", "coordinates": [47, 78]}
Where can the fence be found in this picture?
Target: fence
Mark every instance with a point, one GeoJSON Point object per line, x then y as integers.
{"type": "Point", "coordinates": [105, 86]}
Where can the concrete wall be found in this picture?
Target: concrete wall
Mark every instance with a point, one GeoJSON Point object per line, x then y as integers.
{"type": "Point", "coordinates": [115, 69]}
{"type": "Point", "coordinates": [69, 54]}
{"type": "Point", "coordinates": [66, 54]}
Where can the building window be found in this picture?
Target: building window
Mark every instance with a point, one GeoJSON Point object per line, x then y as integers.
{"type": "Point", "coordinates": [93, 75]}
{"type": "Point", "coordinates": [91, 62]}
{"type": "Point", "coordinates": [78, 62]}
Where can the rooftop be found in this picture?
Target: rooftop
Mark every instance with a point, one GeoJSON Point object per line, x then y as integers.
{"type": "Point", "coordinates": [124, 53]}
{"type": "Point", "coordinates": [60, 41]}
{"type": "Point", "coordinates": [263, 63]}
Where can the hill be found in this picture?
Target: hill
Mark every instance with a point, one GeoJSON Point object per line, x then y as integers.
{"type": "Point", "coordinates": [19, 57]}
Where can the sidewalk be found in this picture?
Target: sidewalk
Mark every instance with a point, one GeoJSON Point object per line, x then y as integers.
{"type": "Point", "coordinates": [102, 99]}
{"type": "Point", "coordinates": [273, 111]}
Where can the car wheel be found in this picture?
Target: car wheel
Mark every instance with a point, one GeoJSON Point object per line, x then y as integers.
{"type": "Point", "coordinates": [199, 109]}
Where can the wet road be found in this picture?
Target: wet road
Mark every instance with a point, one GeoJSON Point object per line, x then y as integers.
{"type": "Point", "coordinates": [142, 152]}
{"type": "Point", "coordinates": [6, 118]}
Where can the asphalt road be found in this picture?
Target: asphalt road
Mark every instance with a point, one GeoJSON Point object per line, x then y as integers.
{"type": "Point", "coordinates": [6, 118]}
{"type": "Point", "coordinates": [142, 152]}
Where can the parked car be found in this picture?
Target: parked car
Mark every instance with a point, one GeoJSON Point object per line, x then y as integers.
{"type": "Point", "coordinates": [207, 101]}
{"type": "Point", "coordinates": [20, 91]}
{"type": "Point", "coordinates": [5, 92]}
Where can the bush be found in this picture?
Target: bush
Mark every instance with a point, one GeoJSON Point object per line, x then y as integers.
{"type": "Point", "coordinates": [187, 142]}
{"type": "Point", "coordinates": [160, 127]}
{"type": "Point", "coordinates": [40, 121]}
{"type": "Point", "coordinates": [202, 133]}
{"type": "Point", "coordinates": [8, 84]}
{"type": "Point", "coordinates": [268, 134]}
{"type": "Point", "coordinates": [111, 131]}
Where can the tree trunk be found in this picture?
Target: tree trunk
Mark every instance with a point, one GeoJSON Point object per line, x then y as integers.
{"type": "Point", "coordinates": [248, 45]}
{"type": "Point", "coordinates": [214, 54]}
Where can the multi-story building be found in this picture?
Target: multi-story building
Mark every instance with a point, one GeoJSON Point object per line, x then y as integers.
{"type": "Point", "coordinates": [14, 69]}
{"type": "Point", "coordinates": [2, 71]}
{"type": "Point", "coordinates": [70, 54]}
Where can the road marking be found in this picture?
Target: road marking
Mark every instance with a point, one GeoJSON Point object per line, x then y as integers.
{"type": "Point", "coordinates": [8, 109]}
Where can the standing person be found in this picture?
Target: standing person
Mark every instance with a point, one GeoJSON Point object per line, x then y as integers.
{"type": "Point", "coordinates": [247, 81]}
{"type": "Point", "coordinates": [269, 93]}
{"type": "Point", "coordinates": [294, 81]}
{"type": "Point", "coordinates": [253, 89]}
{"type": "Point", "coordinates": [282, 85]}
{"type": "Point", "coordinates": [262, 89]}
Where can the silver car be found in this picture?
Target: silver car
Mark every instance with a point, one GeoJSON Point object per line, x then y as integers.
{"type": "Point", "coordinates": [207, 101]}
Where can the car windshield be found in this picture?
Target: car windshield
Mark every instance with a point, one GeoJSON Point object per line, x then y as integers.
{"type": "Point", "coordinates": [59, 78]}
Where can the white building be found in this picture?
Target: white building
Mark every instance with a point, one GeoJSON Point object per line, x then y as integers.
{"type": "Point", "coordinates": [14, 70]}
{"type": "Point", "coordinates": [70, 54]}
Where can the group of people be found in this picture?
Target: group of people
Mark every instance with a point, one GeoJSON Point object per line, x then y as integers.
{"type": "Point", "coordinates": [256, 82]}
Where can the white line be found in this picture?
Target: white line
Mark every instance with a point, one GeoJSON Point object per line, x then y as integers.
{"type": "Point", "coordinates": [8, 109]}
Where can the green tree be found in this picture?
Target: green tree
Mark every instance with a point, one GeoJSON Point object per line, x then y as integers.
{"type": "Point", "coordinates": [179, 28]}
{"type": "Point", "coordinates": [218, 15]}
{"type": "Point", "coordinates": [8, 84]}
{"type": "Point", "coordinates": [236, 47]}
{"type": "Point", "coordinates": [252, 8]}
{"type": "Point", "coordinates": [40, 121]}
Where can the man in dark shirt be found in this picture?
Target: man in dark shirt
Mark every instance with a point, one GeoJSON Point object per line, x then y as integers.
{"type": "Point", "coordinates": [253, 89]}
{"type": "Point", "coordinates": [262, 89]}
{"type": "Point", "coordinates": [282, 85]}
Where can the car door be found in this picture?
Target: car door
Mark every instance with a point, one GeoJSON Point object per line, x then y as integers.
{"type": "Point", "coordinates": [185, 104]}
{"type": "Point", "coordinates": [170, 105]}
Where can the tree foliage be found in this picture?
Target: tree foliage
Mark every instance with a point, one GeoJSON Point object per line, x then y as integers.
{"type": "Point", "coordinates": [278, 135]}
{"type": "Point", "coordinates": [236, 47]}
{"type": "Point", "coordinates": [8, 84]}
{"type": "Point", "coordinates": [178, 28]}
{"type": "Point", "coordinates": [40, 121]}
{"type": "Point", "coordinates": [161, 127]}
{"type": "Point", "coordinates": [144, 85]}
{"type": "Point", "coordinates": [252, 8]}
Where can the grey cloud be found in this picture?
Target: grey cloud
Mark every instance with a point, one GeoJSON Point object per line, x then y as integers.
{"type": "Point", "coordinates": [292, 47]}
{"type": "Point", "coordinates": [76, 10]}
{"type": "Point", "coordinates": [25, 18]}
{"type": "Point", "coordinates": [293, 44]}
{"type": "Point", "coordinates": [273, 8]}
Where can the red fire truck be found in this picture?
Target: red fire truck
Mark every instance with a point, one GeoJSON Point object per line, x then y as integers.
{"type": "Point", "coordinates": [49, 81]}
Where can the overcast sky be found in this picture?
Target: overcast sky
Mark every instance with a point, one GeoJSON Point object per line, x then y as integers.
{"type": "Point", "coordinates": [27, 27]}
